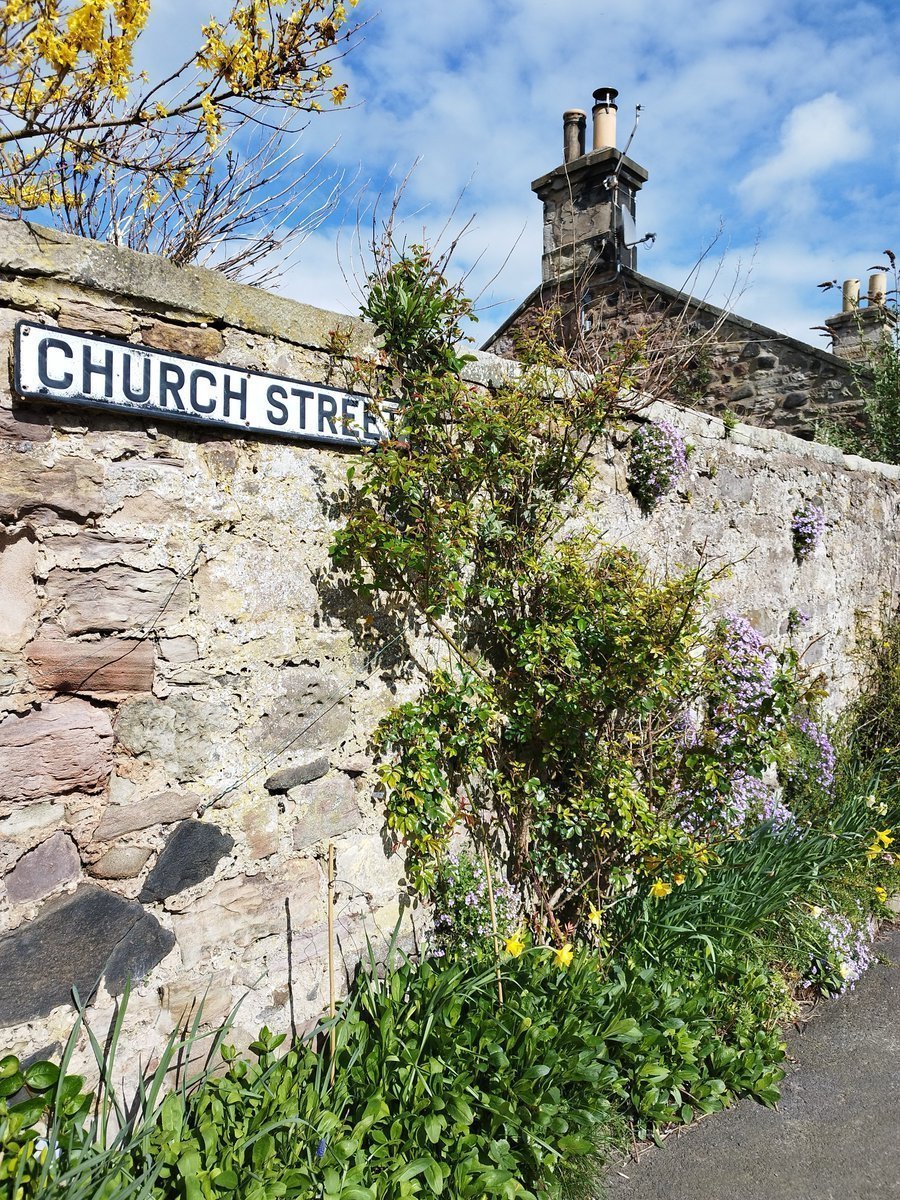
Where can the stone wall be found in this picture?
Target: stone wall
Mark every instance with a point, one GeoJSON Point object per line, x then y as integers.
{"type": "Point", "coordinates": [186, 697]}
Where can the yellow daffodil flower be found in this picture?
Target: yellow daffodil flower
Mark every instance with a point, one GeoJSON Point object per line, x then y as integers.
{"type": "Point", "coordinates": [514, 945]}
{"type": "Point", "coordinates": [884, 836]}
{"type": "Point", "coordinates": [564, 955]}
{"type": "Point", "coordinates": [660, 889]}
{"type": "Point", "coordinates": [702, 855]}
{"type": "Point", "coordinates": [815, 912]}
{"type": "Point", "coordinates": [679, 878]}
{"type": "Point", "coordinates": [873, 851]}
{"type": "Point", "coordinates": [881, 894]}
{"type": "Point", "coordinates": [595, 916]}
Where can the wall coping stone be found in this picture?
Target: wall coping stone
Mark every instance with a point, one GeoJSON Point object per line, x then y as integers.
{"type": "Point", "coordinates": [156, 284]}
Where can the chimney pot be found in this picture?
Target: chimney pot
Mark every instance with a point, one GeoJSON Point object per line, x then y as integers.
{"type": "Point", "coordinates": [574, 124]}
{"type": "Point", "coordinates": [850, 295]}
{"type": "Point", "coordinates": [878, 288]}
{"type": "Point", "coordinates": [604, 114]}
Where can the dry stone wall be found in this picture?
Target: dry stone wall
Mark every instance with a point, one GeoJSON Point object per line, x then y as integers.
{"type": "Point", "coordinates": [186, 696]}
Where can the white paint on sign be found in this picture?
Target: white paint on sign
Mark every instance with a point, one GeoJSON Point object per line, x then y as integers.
{"type": "Point", "coordinates": [65, 367]}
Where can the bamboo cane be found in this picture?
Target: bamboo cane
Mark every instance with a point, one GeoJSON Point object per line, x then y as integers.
{"type": "Point", "coordinates": [490, 887]}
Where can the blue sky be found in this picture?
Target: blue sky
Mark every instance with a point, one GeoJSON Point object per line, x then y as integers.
{"type": "Point", "coordinates": [769, 127]}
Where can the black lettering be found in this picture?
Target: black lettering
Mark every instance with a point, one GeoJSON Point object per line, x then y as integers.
{"type": "Point", "coordinates": [280, 417]}
{"type": "Point", "coordinates": [90, 368]}
{"type": "Point", "coordinates": [198, 405]}
{"type": "Point", "coordinates": [171, 381]}
{"type": "Point", "coordinates": [371, 432]}
{"type": "Point", "coordinates": [327, 413]}
{"type": "Point", "coordinates": [302, 395]}
{"type": "Point", "coordinates": [231, 393]}
{"type": "Point", "coordinates": [48, 344]}
{"type": "Point", "coordinates": [349, 425]}
{"type": "Point", "coordinates": [137, 397]}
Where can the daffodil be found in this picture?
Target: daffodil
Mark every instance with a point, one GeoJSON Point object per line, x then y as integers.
{"type": "Point", "coordinates": [881, 894]}
{"type": "Point", "coordinates": [514, 945]}
{"type": "Point", "coordinates": [873, 851]}
{"type": "Point", "coordinates": [595, 916]}
{"type": "Point", "coordinates": [660, 889]}
{"type": "Point", "coordinates": [815, 911]}
{"type": "Point", "coordinates": [564, 955]}
{"type": "Point", "coordinates": [702, 854]}
{"type": "Point", "coordinates": [679, 878]}
{"type": "Point", "coordinates": [884, 836]}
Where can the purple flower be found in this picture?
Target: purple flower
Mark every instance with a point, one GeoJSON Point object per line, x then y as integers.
{"type": "Point", "coordinates": [746, 679]}
{"type": "Point", "coordinates": [657, 461]}
{"type": "Point", "coordinates": [807, 528]}
{"type": "Point", "coordinates": [826, 755]}
{"type": "Point", "coordinates": [321, 1148]}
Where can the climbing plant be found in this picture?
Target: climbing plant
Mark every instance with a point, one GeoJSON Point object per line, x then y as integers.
{"type": "Point", "coordinates": [588, 720]}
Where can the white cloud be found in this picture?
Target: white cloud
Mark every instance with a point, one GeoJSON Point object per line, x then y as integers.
{"type": "Point", "coordinates": [818, 135]}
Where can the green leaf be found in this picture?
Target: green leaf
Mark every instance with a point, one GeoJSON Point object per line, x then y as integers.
{"type": "Point", "coordinates": [41, 1076]}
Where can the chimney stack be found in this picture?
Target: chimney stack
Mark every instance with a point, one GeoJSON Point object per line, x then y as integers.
{"type": "Point", "coordinates": [604, 114]}
{"type": "Point", "coordinates": [589, 201]}
{"type": "Point", "coordinates": [857, 327]}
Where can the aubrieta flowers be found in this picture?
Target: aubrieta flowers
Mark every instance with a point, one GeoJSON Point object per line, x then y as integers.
{"type": "Point", "coordinates": [807, 528]}
{"type": "Point", "coordinates": [657, 461]}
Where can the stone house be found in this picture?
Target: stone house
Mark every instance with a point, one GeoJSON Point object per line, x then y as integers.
{"type": "Point", "coordinates": [727, 362]}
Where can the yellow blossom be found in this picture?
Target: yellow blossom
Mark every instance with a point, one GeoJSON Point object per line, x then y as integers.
{"type": "Point", "coordinates": [881, 894]}
{"type": "Point", "coordinates": [702, 854]}
{"type": "Point", "coordinates": [884, 836]}
{"type": "Point", "coordinates": [514, 945]}
{"type": "Point", "coordinates": [595, 916]}
{"type": "Point", "coordinates": [564, 955]}
{"type": "Point", "coordinates": [660, 889]}
{"type": "Point", "coordinates": [815, 911]}
{"type": "Point", "coordinates": [873, 851]}
{"type": "Point", "coordinates": [679, 878]}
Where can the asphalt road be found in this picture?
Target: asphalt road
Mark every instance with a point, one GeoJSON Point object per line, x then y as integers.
{"type": "Point", "coordinates": [836, 1133]}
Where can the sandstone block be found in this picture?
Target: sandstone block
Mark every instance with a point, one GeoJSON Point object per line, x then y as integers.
{"type": "Point", "coordinates": [74, 942]}
{"type": "Point", "coordinates": [212, 999]}
{"type": "Point", "coordinates": [121, 862]}
{"type": "Point", "coordinates": [240, 912]}
{"type": "Point", "coordinates": [66, 746]}
{"type": "Point", "coordinates": [304, 702]}
{"type": "Point", "coordinates": [43, 869]}
{"type": "Point", "coordinates": [179, 650]}
{"type": "Point", "coordinates": [260, 826]}
{"type": "Point", "coordinates": [183, 339]}
{"type": "Point", "coordinates": [190, 855]}
{"type": "Point", "coordinates": [302, 772]}
{"type": "Point", "coordinates": [117, 597]}
{"type": "Point", "coordinates": [184, 734]}
{"type": "Point", "coordinates": [19, 596]}
{"type": "Point", "coordinates": [24, 423]}
{"type": "Point", "coordinates": [72, 486]}
{"type": "Point", "coordinates": [29, 820]}
{"type": "Point", "coordinates": [110, 667]}
{"type": "Point", "coordinates": [90, 318]}
{"type": "Point", "coordinates": [90, 548]}
{"type": "Point", "coordinates": [328, 808]}
{"type": "Point", "coordinates": [163, 808]}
